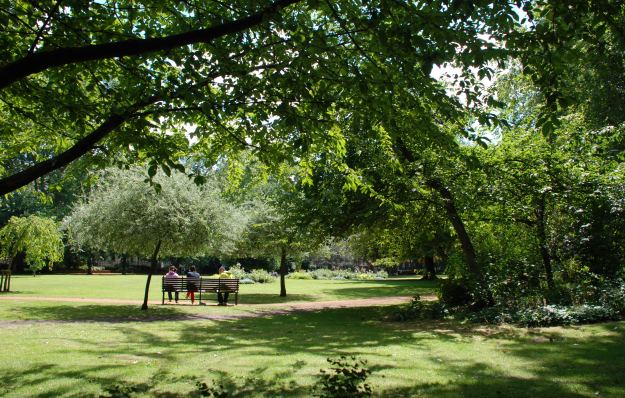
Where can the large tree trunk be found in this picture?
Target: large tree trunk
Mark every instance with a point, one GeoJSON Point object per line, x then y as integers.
{"type": "Point", "coordinates": [153, 264]}
{"type": "Point", "coordinates": [465, 241]}
{"type": "Point", "coordinates": [452, 214]}
{"type": "Point", "coordinates": [542, 242]}
{"type": "Point", "coordinates": [283, 271]}
{"type": "Point", "coordinates": [430, 272]}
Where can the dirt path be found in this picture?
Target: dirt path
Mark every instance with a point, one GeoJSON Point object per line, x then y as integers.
{"type": "Point", "coordinates": [255, 310]}
{"type": "Point", "coordinates": [302, 305]}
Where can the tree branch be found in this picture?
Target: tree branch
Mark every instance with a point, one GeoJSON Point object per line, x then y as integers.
{"type": "Point", "coordinates": [43, 27]}
{"type": "Point", "coordinates": [41, 61]}
{"type": "Point", "coordinates": [82, 146]}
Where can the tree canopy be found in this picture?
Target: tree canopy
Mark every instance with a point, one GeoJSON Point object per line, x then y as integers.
{"type": "Point", "coordinates": [37, 238]}
{"type": "Point", "coordinates": [127, 81]}
{"type": "Point", "coordinates": [125, 215]}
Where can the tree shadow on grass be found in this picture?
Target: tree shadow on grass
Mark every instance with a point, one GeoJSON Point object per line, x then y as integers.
{"type": "Point", "coordinates": [18, 293]}
{"type": "Point", "coordinates": [97, 313]}
{"type": "Point", "coordinates": [552, 359]}
{"type": "Point", "coordinates": [272, 298]}
{"type": "Point", "coordinates": [384, 288]}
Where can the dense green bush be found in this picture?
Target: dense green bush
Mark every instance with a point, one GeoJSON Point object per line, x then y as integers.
{"type": "Point", "coordinates": [237, 271]}
{"type": "Point", "coordinates": [323, 273]}
{"type": "Point", "coordinates": [607, 303]}
{"type": "Point", "coordinates": [254, 276]}
{"type": "Point", "coordinates": [455, 292]}
{"type": "Point", "coordinates": [260, 276]}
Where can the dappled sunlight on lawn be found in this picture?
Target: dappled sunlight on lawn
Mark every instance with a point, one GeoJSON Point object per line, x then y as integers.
{"type": "Point", "coordinates": [281, 355]}
{"type": "Point", "coordinates": [366, 289]}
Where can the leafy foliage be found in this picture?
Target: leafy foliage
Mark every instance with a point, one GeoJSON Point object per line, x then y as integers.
{"type": "Point", "coordinates": [323, 273]}
{"type": "Point", "coordinates": [418, 309]}
{"type": "Point", "coordinates": [37, 237]}
{"type": "Point", "coordinates": [214, 391]}
{"type": "Point", "coordinates": [125, 215]}
{"type": "Point", "coordinates": [345, 378]}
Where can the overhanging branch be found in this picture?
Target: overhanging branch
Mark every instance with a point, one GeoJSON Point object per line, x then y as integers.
{"type": "Point", "coordinates": [82, 146]}
{"type": "Point", "coordinates": [38, 62]}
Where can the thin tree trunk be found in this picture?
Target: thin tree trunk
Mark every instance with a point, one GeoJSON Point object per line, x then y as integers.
{"type": "Point", "coordinates": [542, 242]}
{"type": "Point", "coordinates": [283, 271]}
{"type": "Point", "coordinates": [153, 265]}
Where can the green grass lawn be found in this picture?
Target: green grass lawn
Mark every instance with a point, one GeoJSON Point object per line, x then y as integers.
{"type": "Point", "coordinates": [81, 349]}
{"type": "Point", "coordinates": [131, 287]}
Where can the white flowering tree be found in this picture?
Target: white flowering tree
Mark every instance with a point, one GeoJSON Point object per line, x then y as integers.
{"type": "Point", "coordinates": [124, 214]}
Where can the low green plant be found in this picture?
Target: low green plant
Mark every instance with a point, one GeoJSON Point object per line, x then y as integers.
{"type": "Point", "coordinates": [300, 275]}
{"type": "Point", "coordinates": [418, 309]}
{"type": "Point", "coordinates": [323, 273]}
{"type": "Point", "coordinates": [120, 390]}
{"type": "Point", "coordinates": [346, 378]}
{"type": "Point", "coordinates": [260, 276]}
{"type": "Point", "coordinates": [213, 391]}
{"type": "Point", "coordinates": [237, 271]}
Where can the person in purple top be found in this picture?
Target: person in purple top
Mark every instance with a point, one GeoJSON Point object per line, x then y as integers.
{"type": "Point", "coordinates": [171, 275]}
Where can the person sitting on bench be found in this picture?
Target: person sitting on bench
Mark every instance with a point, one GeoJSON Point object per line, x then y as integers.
{"type": "Point", "coordinates": [223, 297]}
{"type": "Point", "coordinates": [193, 279]}
{"type": "Point", "coordinates": [171, 276]}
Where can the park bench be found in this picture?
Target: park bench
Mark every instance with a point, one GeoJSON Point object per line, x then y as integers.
{"type": "Point", "coordinates": [201, 285]}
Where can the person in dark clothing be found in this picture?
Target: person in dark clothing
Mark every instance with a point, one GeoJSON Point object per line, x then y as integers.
{"type": "Point", "coordinates": [193, 282]}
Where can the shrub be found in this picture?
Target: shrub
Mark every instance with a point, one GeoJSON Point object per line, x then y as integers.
{"type": "Point", "coordinates": [346, 378]}
{"type": "Point", "coordinates": [237, 271]}
{"type": "Point", "coordinates": [418, 309]}
{"type": "Point", "coordinates": [612, 295]}
{"type": "Point", "coordinates": [260, 276]}
{"type": "Point", "coordinates": [546, 315]}
{"type": "Point", "coordinates": [323, 273]}
{"type": "Point", "coordinates": [455, 292]}
{"type": "Point", "coordinates": [300, 275]}
{"type": "Point", "coordinates": [246, 281]}
{"type": "Point", "coordinates": [214, 391]}
{"type": "Point", "coordinates": [364, 276]}
{"type": "Point", "coordinates": [381, 275]}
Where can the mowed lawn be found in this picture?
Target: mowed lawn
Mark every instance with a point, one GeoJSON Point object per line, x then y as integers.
{"type": "Point", "coordinates": [131, 287]}
{"type": "Point", "coordinates": [56, 349]}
